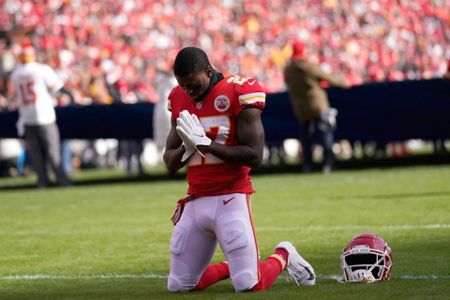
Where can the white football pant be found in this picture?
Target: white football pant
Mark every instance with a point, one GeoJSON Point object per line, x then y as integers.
{"type": "Point", "coordinates": [206, 221]}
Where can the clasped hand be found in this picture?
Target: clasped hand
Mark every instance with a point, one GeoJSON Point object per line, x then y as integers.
{"type": "Point", "coordinates": [191, 133]}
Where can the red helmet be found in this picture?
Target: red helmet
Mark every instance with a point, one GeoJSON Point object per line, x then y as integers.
{"type": "Point", "coordinates": [366, 258]}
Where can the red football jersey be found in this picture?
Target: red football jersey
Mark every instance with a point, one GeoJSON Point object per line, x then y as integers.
{"type": "Point", "coordinates": [218, 112]}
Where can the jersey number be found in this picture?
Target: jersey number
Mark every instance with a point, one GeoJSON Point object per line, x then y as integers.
{"type": "Point", "coordinates": [27, 92]}
{"type": "Point", "coordinates": [237, 80]}
{"type": "Point", "coordinates": [218, 129]}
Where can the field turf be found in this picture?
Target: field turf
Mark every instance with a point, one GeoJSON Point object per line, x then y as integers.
{"type": "Point", "coordinates": [110, 241]}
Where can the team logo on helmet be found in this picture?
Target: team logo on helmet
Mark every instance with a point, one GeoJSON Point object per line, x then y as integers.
{"type": "Point", "coordinates": [222, 103]}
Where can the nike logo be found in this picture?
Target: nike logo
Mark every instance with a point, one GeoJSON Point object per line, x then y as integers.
{"type": "Point", "coordinates": [199, 135]}
{"type": "Point", "coordinates": [225, 202]}
{"type": "Point", "coordinates": [251, 83]}
{"type": "Point", "coordinates": [311, 274]}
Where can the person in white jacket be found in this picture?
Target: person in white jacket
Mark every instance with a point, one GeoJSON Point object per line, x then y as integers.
{"type": "Point", "coordinates": [35, 86]}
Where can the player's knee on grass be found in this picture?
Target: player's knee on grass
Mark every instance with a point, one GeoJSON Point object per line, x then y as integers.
{"type": "Point", "coordinates": [179, 278]}
{"type": "Point", "coordinates": [175, 286]}
{"type": "Point", "coordinates": [244, 281]}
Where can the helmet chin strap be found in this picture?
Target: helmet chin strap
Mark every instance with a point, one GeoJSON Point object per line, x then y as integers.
{"type": "Point", "coordinates": [361, 275]}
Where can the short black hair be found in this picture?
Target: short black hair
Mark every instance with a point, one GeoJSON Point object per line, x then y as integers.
{"type": "Point", "coordinates": [190, 60]}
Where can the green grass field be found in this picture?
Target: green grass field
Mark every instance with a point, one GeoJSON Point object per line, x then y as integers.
{"type": "Point", "coordinates": [110, 241]}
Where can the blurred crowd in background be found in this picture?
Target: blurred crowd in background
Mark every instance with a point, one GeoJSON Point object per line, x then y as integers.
{"type": "Point", "coordinates": [364, 40]}
{"type": "Point", "coordinates": [109, 51]}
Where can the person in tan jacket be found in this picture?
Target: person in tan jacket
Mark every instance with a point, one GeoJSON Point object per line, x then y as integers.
{"type": "Point", "coordinates": [310, 105]}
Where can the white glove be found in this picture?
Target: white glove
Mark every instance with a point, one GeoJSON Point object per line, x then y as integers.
{"type": "Point", "coordinates": [191, 131]}
{"type": "Point", "coordinates": [188, 151]}
{"type": "Point", "coordinates": [189, 148]}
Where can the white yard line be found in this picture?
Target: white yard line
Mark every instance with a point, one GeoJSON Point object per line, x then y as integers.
{"type": "Point", "coordinates": [75, 277]}
{"type": "Point", "coordinates": [271, 228]}
{"type": "Point", "coordinates": [163, 277]}
{"type": "Point", "coordinates": [83, 231]}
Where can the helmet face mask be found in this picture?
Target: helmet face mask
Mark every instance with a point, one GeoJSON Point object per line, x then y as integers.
{"type": "Point", "coordinates": [366, 258]}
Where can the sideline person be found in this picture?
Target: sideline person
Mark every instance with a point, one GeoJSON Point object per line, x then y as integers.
{"type": "Point", "coordinates": [311, 107]}
{"type": "Point", "coordinates": [35, 86]}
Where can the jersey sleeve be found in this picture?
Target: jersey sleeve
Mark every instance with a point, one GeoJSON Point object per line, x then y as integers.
{"type": "Point", "coordinates": [172, 103]}
{"type": "Point", "coordinates": [250, 95]}
{"type": "Point", "coordinates": [52, 80]}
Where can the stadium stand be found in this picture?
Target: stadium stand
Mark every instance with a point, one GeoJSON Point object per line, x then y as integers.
{"type": "Point", "coordinates": [363, 40]}
{"type": "Point", "coordinates": [103, 46]}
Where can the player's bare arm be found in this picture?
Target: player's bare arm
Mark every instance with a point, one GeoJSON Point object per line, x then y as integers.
{"type": "Point", "coordinates": [174, 151]}
{"type": "Point", "coordinates": [250, 135]}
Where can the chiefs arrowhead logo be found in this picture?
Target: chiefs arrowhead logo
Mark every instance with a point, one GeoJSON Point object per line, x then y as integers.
{"type": "Point", "coordinates": [222, 103]}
